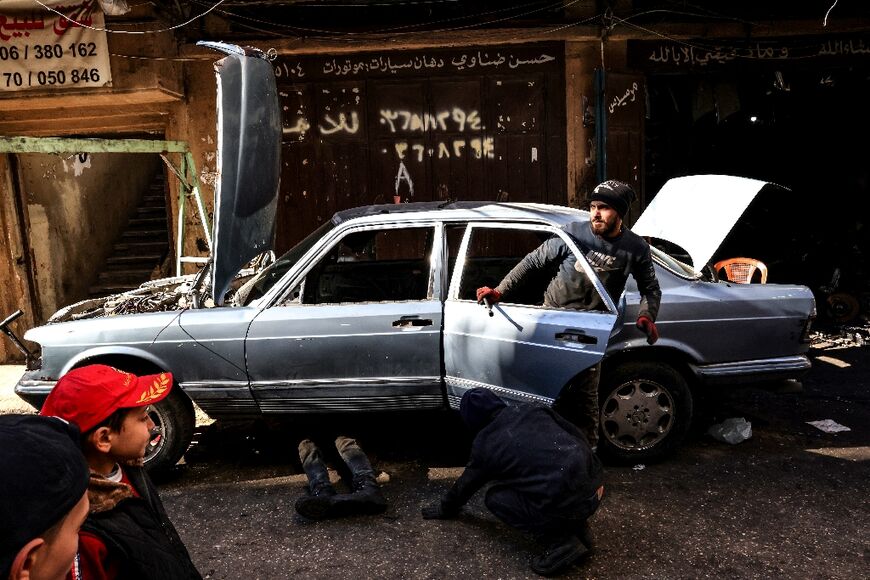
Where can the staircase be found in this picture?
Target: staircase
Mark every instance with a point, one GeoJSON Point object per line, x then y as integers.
{"type": "Point", "coordinates": [141, 247]}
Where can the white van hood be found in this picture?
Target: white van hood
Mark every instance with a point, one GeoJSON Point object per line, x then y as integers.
{"type": "Point", "coordinates": [696, 212]}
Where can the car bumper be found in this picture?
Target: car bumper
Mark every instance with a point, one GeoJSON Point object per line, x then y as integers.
{"type": "Point", "coordinates": [33, 388]}
{"type": "Point", "coordinates": [768, 369]}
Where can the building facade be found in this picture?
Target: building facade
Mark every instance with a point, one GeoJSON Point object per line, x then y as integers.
{"type": "Point", "coordinates": [505, 102]}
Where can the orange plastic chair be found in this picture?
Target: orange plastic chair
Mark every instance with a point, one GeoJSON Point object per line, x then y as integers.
{"type": "Point", "coordinates": [740, 270]}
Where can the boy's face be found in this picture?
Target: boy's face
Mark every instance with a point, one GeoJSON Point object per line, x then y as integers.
{"type": "Point", "coordinates": [55, 557]}
{"type": "Point", "coordinates": [135, 433]}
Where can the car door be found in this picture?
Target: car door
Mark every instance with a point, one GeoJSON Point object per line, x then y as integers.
{"type": "Point", "coordinates": [360, 329]}
{"type": "Point", "coordinates": [520, 349]}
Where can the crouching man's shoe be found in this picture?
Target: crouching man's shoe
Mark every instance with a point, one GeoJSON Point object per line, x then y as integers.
{"type": "Point", "coordinates": [559, 555]}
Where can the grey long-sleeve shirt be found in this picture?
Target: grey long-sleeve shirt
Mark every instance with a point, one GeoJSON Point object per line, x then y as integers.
{"type": "Point", "coordinates": [613, 260]}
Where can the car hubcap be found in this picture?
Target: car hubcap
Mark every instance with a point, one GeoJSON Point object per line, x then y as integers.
{"type": "Point", "coordinates": [157, 436]}
{"type": "Point", "coordinates": [637, 414]}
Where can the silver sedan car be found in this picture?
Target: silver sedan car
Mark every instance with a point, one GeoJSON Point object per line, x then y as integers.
{"type": "Point", "coordinates": [376, 309]}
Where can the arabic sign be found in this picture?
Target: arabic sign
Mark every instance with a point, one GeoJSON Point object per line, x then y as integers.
{"type": "Point", "coordinates": [42, 50]}
{"type": "Point", "coordinates": [499, 60]}
{"type": "Point", "coordinates": [707, 54]}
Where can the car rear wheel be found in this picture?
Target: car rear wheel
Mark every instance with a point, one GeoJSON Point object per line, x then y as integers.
{"type": "Point", "coordinates": [646, 410]}
{"type": "Point", "coordinates": [173, 430]}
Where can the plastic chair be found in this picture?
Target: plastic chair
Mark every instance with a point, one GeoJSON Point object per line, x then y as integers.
{"type": "Point", "coordinates": [740, 270]}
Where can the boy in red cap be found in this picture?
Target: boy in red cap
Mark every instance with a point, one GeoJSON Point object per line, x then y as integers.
{"type": "Point", "coordinates": [127, 533]}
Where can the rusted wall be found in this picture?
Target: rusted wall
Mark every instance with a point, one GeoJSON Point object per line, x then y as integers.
{"type": "Point", "coordinates": [581, 59]}
{"type": "Point", "coordinates": [351, 171]}
{"type": "Point", "coordinates": [76, 206]}
{"type": "Point", "coordinates": [14, 284]}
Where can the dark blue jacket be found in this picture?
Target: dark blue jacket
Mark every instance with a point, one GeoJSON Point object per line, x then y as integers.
{"type": "Point", "coordinates": [535, 452]}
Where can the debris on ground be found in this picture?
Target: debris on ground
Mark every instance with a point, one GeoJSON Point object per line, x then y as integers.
{"type": "Point", "coordinates": [841, 337]}
{"type": "Point", "coordinates": [639, 467]}
{"type": "Point", "coordinates": [828, 426]}
{"type": "Point", "coordinates": [732, 430]}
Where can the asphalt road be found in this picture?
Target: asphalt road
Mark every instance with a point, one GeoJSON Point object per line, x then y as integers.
{"type": "Point", "coordinates": [791, 502]}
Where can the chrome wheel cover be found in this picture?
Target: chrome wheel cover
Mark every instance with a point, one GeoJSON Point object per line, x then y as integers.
{"type": "Point", "coordinates": [637, 415]}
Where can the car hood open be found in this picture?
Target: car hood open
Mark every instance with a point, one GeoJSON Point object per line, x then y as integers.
{"type": "Point", "coordinates": [697, 212]}
{"type": "Point", "coordinates": [248, 161]}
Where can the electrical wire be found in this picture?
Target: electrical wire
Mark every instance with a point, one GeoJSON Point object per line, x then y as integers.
{"type": "Point", "coordinates": [113, 31]}
{"type": "Point", "coordinates": [825, 21]}
{"type": "Point", "coordinates": [403, 30]}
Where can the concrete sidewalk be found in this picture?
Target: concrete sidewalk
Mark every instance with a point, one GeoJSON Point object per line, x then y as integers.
{"type": "Point", "coordinates": [9, 401]}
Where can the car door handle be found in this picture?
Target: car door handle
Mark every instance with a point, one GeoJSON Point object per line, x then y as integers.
{"type": "Point", "coordinates": [411, 322]}
{"type": "Point", "coordinates": [572, 335]}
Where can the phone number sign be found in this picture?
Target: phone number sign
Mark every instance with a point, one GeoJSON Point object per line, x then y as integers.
{"type": "Point", "coordinates": [43, 50]}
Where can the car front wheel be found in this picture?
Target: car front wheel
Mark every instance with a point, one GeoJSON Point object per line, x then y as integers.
{"type": "Point", "coordinates": [173, 430]}
{"type": "Point", "coordinates": [646, 410]}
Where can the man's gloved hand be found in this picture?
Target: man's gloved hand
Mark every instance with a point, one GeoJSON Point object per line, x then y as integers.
{"type": "Point", "coordinates": [493, 295]}
{"type": "Point", "coordinates": [437, 512]}
{"type": "Point", "coordinates": [646, 324]}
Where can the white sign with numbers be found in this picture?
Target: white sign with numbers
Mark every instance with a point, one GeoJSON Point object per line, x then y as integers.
{"type": "Point", "coordinates": [42, 50]}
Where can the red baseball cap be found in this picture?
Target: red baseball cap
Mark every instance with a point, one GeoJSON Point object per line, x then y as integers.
{"type": "Point", "coordinates": [88, 395]}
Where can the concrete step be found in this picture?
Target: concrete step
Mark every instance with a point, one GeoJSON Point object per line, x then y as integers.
{"type": "Point", "coordinates": [127, 259]}
{"type": "Point", "coordinates": [147, 222]}
{"type": "Point", "coordinates": [156, 211]}
{"type": "Point", "coordinates": [137, 247]}
{"type": "Point", "coordinates": [153, 201]}
{"type": "Point", "coordinates": [144, 234]}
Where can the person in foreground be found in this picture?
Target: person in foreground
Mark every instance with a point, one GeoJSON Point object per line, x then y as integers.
{"type": "Point", "coordinates": [614, 252]}
{"type": "Point", "coordinates": [43, 497]}
{"type": "Point", "coordinates": [127, 533]}
{"type": "Point", "coordinates": [546, 480]}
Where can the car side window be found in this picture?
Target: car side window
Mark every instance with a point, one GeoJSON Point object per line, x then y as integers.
{"type": "Point", "coordinates": [384, 265]}
{"type": "Point", "coordinates": [493, 252]}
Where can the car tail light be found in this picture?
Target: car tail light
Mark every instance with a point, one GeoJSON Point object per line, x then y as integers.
{"type": "Point", "coordinates": [805, 335]}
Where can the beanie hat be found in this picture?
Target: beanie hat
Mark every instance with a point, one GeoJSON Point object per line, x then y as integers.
{"type": "Point", "coordinates": [43, 475]}
{"type": "Point", "coordinates": [478, 406]}
{"type": "Point", "coordinates": [88, 395]}
{"type": "Point", "coordinates": [616, 194]}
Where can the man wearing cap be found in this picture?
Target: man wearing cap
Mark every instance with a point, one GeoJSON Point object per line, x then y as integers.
{"type": "Point", "coordinates": [545, 479]}
{"type": "Point", "coordinates": [127, 533]}
{"type": "Point", "coordinates": [614, 252]}
{"type": "Point", "coordinates": [43, 499]}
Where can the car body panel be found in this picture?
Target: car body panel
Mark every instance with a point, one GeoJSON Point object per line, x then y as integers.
{"type": "Point", "coordinates": [519, 345]}
{"type": "Point", "coordinates": [346, 356]}
{"type": "Point", "coordinates": [696, 212]}
{"type": "Point", "coordinates": [713, 323]}
{"type": "Point", "coordinates": [248, 161]}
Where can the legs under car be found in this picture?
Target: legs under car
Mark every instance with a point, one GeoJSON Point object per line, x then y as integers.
{"type": "Point", "coordinates": [322, 501]}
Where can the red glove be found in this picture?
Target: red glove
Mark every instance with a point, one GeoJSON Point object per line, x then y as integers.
{"type": "Point", "coordinates": [648, 327]}
{"type": "Point", "coordinates": [493, 295]}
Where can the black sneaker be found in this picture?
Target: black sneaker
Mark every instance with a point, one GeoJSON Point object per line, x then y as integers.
{"type": "Point", "coordinates": [368, 500]}
{"type": "Point", "coordinates": [559, 555]}
{"type": "Point", "coordinates": [321, 507]}
{"type": "Point", "coordinates": [315, 507]}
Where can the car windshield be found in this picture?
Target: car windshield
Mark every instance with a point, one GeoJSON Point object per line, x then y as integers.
{"type": "Point", "coordinates": [674, 265]}
{"type": "Point", "coordinates": [266, 278]}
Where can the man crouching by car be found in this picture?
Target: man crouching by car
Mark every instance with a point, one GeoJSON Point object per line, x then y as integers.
{"type": "Point", "coordinates": [546, 480]}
